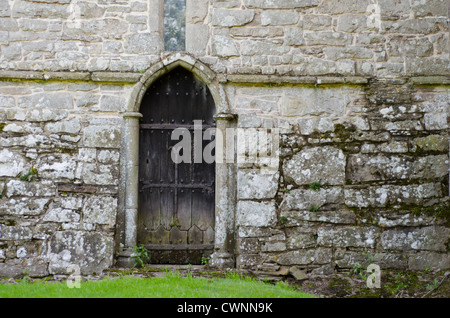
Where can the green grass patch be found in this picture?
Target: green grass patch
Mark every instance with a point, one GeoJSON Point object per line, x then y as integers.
{"type": "Point", "coordinates": [171, 286]}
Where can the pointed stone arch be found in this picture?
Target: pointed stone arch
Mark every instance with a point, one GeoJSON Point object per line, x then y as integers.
{"type": "Point", "coordinates": [225, 172]}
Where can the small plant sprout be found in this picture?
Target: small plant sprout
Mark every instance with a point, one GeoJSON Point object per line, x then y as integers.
{"type": "Point", "coordinates": [283, 220]}
{"type": "Point", "coordinates": [315, 186]}
{"type": "Point", "coordinates": [205, 260]}
{"type": "Point", "coordinates": [140, 256]}
{"type": "Point", "coordinates": [313, 208]}
{"type": "Point", "coordinates": [29, 175]}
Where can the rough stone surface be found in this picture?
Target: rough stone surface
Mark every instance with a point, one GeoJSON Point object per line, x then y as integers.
{"type": "Point", "coordinates": [325, 165]}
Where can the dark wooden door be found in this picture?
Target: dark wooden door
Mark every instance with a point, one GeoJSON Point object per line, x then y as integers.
{"type": "Point", "coordinates": [176, 201]}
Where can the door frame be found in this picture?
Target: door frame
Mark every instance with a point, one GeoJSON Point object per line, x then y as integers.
{"type": "Point", "coordinates": [126, 231]}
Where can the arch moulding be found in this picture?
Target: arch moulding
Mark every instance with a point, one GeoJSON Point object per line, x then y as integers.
{"type": "Point", "coordinates": [126, 234]}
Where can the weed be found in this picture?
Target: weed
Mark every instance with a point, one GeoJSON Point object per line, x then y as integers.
{"type": "Point", "coordinates": [283, 220]}
{"type": "Point", "coordinates": [32, 173]}
{"type": "Point", "coordinates": [140, 255]}
{"type": "Point", "coordinates": [433, 285]}
{"type": "Point", "coordinates": [315, 186]}
{"type": "Point", "coordinates": [313, 208]}
{"type": "Point", "coordinates": [205, 260]}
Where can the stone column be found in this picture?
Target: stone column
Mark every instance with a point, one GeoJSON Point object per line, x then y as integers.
{"type": "Point", "coordinates": [130, 154]}
{"type": "Point", "coordinates": [224, 254]}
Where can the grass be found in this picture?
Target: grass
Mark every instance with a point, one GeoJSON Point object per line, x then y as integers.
{"type": "Point", "coordinates": [171, 286]}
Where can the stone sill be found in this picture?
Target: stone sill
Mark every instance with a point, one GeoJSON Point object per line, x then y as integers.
{"type": "Point", "coordinates": [132, 77]}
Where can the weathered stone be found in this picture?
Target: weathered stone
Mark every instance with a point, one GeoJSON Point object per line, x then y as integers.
{"type": "Point", "coordinates": [258, 214]}
{"type": "Point", "coordinates": [325, 165]}
{"type": "Point", "coordinates": [381, 196]}
{"type": "Point", "coordinates": [11, 164]}
{"type": "Point", "coordinates": [433, 238]}
{"type": "Point", "coordinates": [229, 18]}
{"type": "Point", "coordinates": [428, 261]}
{"type": "Point", "coordinates": [297, 218]}
{"type": "Point", "coordinates": [30, 189]}
{"type": "Point", "coordinates": [280, 4]}
{"type": "Point", "coordinates": [305, 257]}
{"type": "Point", "coordinates": [301, 101]}
{"type": "Point", "coordinates": [300, 199]}
{"type": "Point", "coordinates": [68, 127]}
{"type": "Point", "coordinates": [349, 236]}
{"type": "Point", "coordinates": [328, 38]}
{"type": "Point", "coordinates": [61, 215]}
{"type": "Point", "coordinates": [23, 206]}
{"type": "Point", "coordinates": [47, 101]}
{"type": "Point", "coordinates": [14, 233]}
{"type": "Point", "coordinates": [102, 136]}
{"type": "Point", "coordinates": [361, 168]}
{"type": "Point", "coordinates": [431, 143]}
{"type": "Point", "coordinates": [57, 167]}
{"type": "Point", "coordinates": [279, 18]}
{"type": "Point", "coordinates": [298, 274]}
{"type": "Point", "coordinates": [42, 115]}
{"type": "Point", "coordinates": [100, 174]}
{"type": "Point", "coordinates": [92, 252]}
{"type": "Point", "coordinates": [254, 185]}
{"type": "Point", "coordinates": [100, 210]}
{"type": "Point", "coordinates": [249, 47]}
{"type": "Point", "coordinates": [316, 22]}
{"type": "Point", "coordinates": [409, 46]}
{"type": "Point", "coordinates": [224, 46]}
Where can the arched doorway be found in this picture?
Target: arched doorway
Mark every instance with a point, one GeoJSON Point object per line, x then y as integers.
{"type": "Point", "coordinates": [176, 201]}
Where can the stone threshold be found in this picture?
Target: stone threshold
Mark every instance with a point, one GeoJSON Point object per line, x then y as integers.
{"type": "Point", "coordinates": [134, 77]}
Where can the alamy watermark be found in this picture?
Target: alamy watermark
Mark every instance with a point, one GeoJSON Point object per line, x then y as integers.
{"type": "Point", "coordinates": [257, 146]}
{"type": "Point", "coordinates": [74, 280]}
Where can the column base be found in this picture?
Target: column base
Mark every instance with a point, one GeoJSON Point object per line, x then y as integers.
{"type": "Point", "coordinates": [222, 260]}
{"type": "Point", "coordinates": [125, 258]}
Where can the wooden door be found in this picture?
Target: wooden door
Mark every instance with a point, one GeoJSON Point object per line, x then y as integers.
{"type": "Point", "coordinates": [176, 201]}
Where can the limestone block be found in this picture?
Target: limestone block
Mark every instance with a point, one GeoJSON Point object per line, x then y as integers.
{"type": "Point", "coordinates": [197, 38]}
{"type": "Point", "coordinates": [430, 143]}
{"type": "Point", "coordinates": [41, 115]}
{"type": "Point", "coordinates": [46, 101]}
{"type": "Point", "coordinates": [344, 6]}
{"type": "Point", "coordinates": [14, 233]}
{"type": "Point", "coordinates": [67, 127]}
{"type": "Point", "coordinates": [7, 101]}
{"type": "Point", "coordinates": [381, 196]}
{"type": "Point", "coordinates": [298, 218]}
{"type": "Point", "coordinates": [112, 103]}
{"type": "Point", "coordinates": [435, 121]}
{"type": "Point", "coordinates": [362, 168]}
{"type": "Point", "coordinates": [252, 47]}
{"type": "Point", "coordinates": [280, 4]}
{"type": "Point", "coordinates": [101, 137]}
{"type": "Point", "coordinates": [196, 11]}
{"type": "Point", "coordinates": [258, 214]}
{"type": "Point", "coordinates": [230, 18]}
{"type": "Point", "coordinates": [30, 189]}
{"type": "Point", "coordinates": [279, 17]}
{"type": "Point", "coordinates": [325, 165]}
{"type": "Point", "coordinates": [100, 174]}
{"type": "Point", "coordinates": [224, 46]}
{"type": "Point", "coordinates": [432, 238]}
{"type": "Point", "coordinates": [41, 9]}
{"type": "Point", "coordinates": [328, 38]}
{"type": "Point", "coordinates": [301, 101]}
{"type": "Point", "coordinates": [57, 167]}
{"type": "Point", "coordinates": [303, 199]}
{"type": "Point", "coordinates": [252, 184]}
{"type": "Point", "coordinates": [23, 206]}
{"type": "Point", "coordinates": [100, 210]}
{"type": "Point", "coordinates": [5, 9]}
{"type": "Point", "coordinates": [409, 46]}
{"type": "Point", "coordinates": [305, 257]}
{"type": "Point", "coordinates": [436, 8]}
{"type": "Point", "coordinates": [61, 215]}
{"type": "Point", "coordinates": [317, 22]}
{"type": "Point", "coordinates": [11, 164]}
{"type": "Point", "coordinates": [424, 260]}
{"type": "Point", "coordinates": [92, 251]}
{"type": "Point", "coordinates": [142, 43]}
{"type": "Point", "coordinates": [353, 23]}
{"type": "Point", "coordinates": [348, 236]}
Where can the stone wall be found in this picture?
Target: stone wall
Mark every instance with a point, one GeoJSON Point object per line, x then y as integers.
{"type": "Point", "coordinates": [358, 89]}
